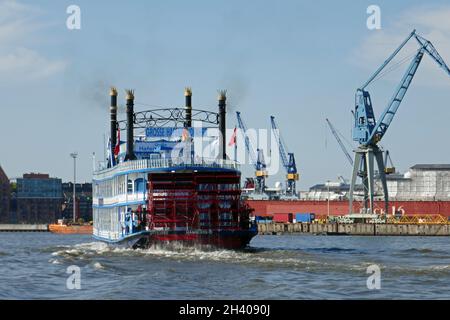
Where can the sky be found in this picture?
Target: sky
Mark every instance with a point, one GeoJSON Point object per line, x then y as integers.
{"type": "Point", "coordinates": [300, 61]}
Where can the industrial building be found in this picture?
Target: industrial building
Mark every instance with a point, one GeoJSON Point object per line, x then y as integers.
{"type": "Point", "coordinates": [427, 182]}
{"type": "Point", "coordinates": [422, 182]}
{"type": "Point", "coordinates": [39, 199]}
{"type": "Point", "coordinates": [83, 192]}
{"type": "Point", "coordinates": [5, 196]}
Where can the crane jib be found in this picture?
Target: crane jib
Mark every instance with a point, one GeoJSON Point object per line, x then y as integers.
{"type": "Point", "coordinates": [367, 131]}
{"type": "Point", "coordinates": [341, 144]}
{"type": "Point", "coordinates": [248, 146]}
{"type": "Point", "coordinates": [388, 115]}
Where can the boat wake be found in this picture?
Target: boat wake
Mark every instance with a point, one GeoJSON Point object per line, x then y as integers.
{"type": "Point", "coordinates": [321, 260]}
{"type": "Point", "coordinates": [269, 259]}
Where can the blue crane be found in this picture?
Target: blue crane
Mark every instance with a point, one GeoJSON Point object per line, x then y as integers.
{"type": "Point", "coordinates": [387, 160]}
{"type": "Point", "coordinates": [368, 131]}
{"type": "Point", "coordinates": [288, 160]}
{"type": "Point", "coordinates": [256, 158]}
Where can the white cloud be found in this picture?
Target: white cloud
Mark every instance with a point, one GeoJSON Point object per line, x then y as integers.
{"type": "Point", "coordinates": [29, 64]}
{"type": "Point", "coordinates": [433, 23]}
{"type": "Point", "coordinates": [18, 25]}
{"type": "Point", "coordinates": [16, 20]}
{"type": "Point", "coordinates": [431, 19]}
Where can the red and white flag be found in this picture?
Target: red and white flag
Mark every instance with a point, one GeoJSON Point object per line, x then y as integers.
{"type": "Point", "coordinates": [233, 138]}
{"type": "Point", "coordinates": [117, 146]}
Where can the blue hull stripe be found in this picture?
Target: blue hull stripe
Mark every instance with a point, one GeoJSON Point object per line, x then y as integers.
{"type": "Point", "coordinates": [250, 232]}
{"type": "Point", "coordinates": [120, 204]}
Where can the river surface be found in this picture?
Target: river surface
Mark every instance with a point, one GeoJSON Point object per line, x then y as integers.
{"type": "Point", "coordinates": [35, 266]}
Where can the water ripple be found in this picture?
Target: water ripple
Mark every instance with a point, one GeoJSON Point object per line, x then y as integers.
{"type": "Point", "coordinates": [274, 267]}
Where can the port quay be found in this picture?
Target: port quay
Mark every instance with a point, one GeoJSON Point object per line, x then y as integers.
{"type": "Point", "coordinates": [357, 229]}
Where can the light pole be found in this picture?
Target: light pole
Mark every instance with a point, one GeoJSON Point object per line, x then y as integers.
{"type": "Point", "coordinates": [74, 156]}
{"type": "Point", "coordinates": [328, 203]}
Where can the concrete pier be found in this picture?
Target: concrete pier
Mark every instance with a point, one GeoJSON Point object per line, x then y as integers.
{"type": "Point", "coordinates": [23, 228]}
{"type": "Point", "coordinates": [356, 229]}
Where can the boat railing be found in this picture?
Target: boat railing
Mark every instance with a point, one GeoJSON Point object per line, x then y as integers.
{"type": "Point", "coordinates": [142, 164]}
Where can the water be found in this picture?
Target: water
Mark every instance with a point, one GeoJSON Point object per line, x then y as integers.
{"type": "Point", "coordinates": [34, 265]}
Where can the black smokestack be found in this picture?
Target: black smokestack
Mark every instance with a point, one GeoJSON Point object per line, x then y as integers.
{"type": "Point", "coordinates": [222, 125]}
{"type": "Point", "coordinates": [113, 112]}
{"type": "Point", "coordinates": [188, 107]}
{"type": "Point", "coordinates": [130, 126]}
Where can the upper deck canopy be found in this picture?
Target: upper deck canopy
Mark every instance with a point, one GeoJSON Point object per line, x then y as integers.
{"type": "Point", "coordinates": [147, 165]}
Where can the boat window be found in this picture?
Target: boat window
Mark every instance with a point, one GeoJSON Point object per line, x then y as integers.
{"type": "Point", "coordinates": [139, 185]}
{"type": "Point", "coordinates": [130, 186]}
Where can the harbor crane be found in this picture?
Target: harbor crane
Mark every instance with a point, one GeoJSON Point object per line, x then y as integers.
{"type": "Point", "coordinates": [368, 131]}
{"type": "Point", "coordinates": [388, 164]}
{"type": "Point", "coordinates": [288, 160]}
{"type": "Point", "coordinates": [388, 169]}
{"type": "Point", "coordinates": [256, 158]}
